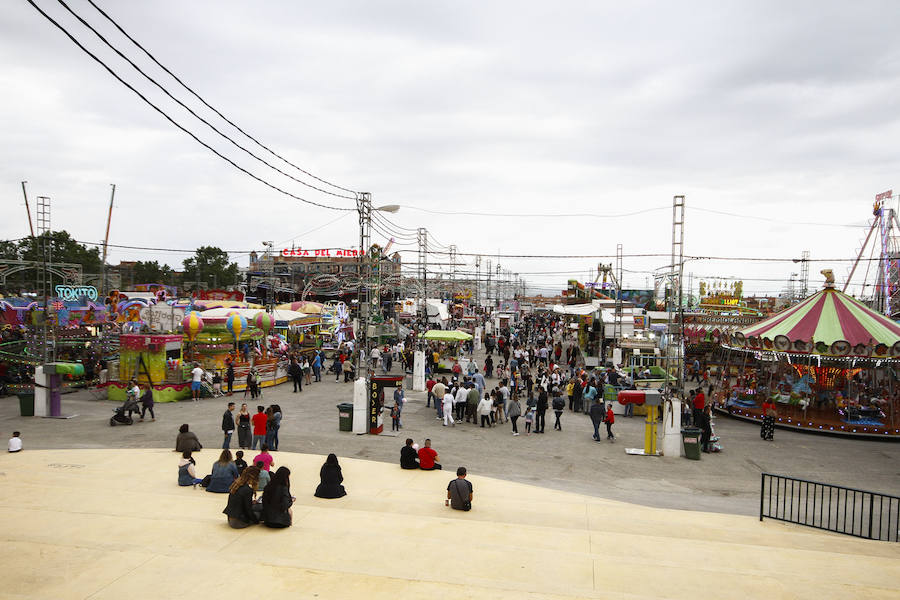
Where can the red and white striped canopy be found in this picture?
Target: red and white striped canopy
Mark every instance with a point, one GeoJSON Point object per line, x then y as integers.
{"type": "Point", "coordinates": [830, 318]}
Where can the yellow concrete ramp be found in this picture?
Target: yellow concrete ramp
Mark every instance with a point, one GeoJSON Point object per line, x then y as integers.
{"type": "Point", "coordinates": [113, 524]}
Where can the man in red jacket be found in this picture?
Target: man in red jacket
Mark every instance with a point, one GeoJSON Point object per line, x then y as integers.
{"type": "Point", "coordinates": [259, 426]}
{"type": "Point", "coordinates": [610, 419]}
{"type": "Point", "coordinates": [699, 404]}
{"type": "Point", "coordinates": [427, 458]}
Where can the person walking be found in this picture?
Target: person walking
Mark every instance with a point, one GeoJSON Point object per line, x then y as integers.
{"type": "Point", "coordinates": [229, 377]}
{"type": "Point", "coordinates": [317, 366]}
{"type": "Point", "coordinates": [147, 404]}
{"type": "Point", "coordinates": [767, 429]}
{"type": "Point", "coordinates": [448, 409]}
{"type": "Point", "coordinates": [484, 410]}
{"type": "Point", "coordinates": [307, 370]}
{"type": "Point", "coordinates": [540, 420]}
{"type": "Point", "coordinates": [513, 412]}
{"type": "Point", "coordinates": [228, 425]}
{"type": "Point", "coordinates": [610, 419]}
{"type": "Point", "coordinates": [196, 376]}
{"type": "Point", "coordinates": [296, 373]}
{"type": "Point", "coordinates": [559, 405]}
{"type": "Point", "coordinates": [597, 414]}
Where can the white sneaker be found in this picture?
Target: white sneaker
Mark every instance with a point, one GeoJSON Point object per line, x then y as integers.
{"type": "Point", "coordinates": [515, 434]}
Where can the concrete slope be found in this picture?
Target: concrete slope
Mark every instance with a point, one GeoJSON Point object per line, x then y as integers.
{"type": "Point", "coordinates": [111, 524]}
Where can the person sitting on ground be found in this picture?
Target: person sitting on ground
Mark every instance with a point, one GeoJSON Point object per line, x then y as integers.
{"type": "Point", "coordinates": [277, 500]}
{"type": "Point", "coordinates": [264, 476]}
{"type": "Point", "coordinates": [331, 478]}
{"type": "Point", "coordinates": [265, 457]}
{"type": "Point", "coordinates": [224, 472]}
{"type": "Point", "coordinates": [15, 443]}
{"type": "Point", "coordinates": [239, 461]}
{"type": "Point", "coordinates": [459, 491]}
{"type": "Point", "coordinates": [187, 440]}
{"type": "Point", "coordinates": [409, 458]}
{"type": "Point", "coordinates": [428, 458]}
{"type": "Point", "coordinates": [240, 509]}
{"type": "Point", "coordinates": [187, 475]}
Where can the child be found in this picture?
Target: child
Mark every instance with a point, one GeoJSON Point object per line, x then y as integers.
{"type": "Point", "coordinates": [15, 443]}
{"type": "Point", "coordinates": [529, 419]}
{"type": "Point", "coordinates": [239, 461]}
{"type": "Point", "coordinates": [395, 417]}
{"type": "Point", "coordinates": [610, 419]}
{"type": "Point", "coordinates": [217, 384]}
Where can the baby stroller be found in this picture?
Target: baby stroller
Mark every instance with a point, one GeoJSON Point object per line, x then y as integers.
{"type": "Point", "coordinates": [122, 414]}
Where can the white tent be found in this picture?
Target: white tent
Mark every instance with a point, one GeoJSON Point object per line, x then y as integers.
{"type": "Point", "coordinates": [574, 309]}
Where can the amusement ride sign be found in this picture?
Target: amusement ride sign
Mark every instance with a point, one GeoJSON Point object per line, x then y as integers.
{"type": "Point", "coordinates": [322, 252]}
{"type": "Point", "coordinates": [70, 293]}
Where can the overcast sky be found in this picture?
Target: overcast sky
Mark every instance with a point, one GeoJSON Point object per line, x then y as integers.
{"type": "Point", "coordinates": [781, 114]}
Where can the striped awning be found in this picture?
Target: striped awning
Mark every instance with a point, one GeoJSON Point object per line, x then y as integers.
{"type": "Point", "coordinates": [834, 322]}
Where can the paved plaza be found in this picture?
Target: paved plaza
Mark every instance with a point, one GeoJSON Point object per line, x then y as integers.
{"type": "Point", "coordinates": [569, 460]}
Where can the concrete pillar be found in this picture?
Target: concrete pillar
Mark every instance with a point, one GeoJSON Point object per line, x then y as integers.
{"type": "Point", "coordinates": [41, 392]}
{"type": "Point", "coordinates": [671, 445]}
{"type": "Point", "coordinates": [418, 383]}
{"type": "Point", "coordinates": [360, 406]}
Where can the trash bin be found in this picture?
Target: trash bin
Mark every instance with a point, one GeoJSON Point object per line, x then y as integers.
{"type": "Point", "coordinates": [690, 436]}
{"type": "Point", "coordinates": [26, 404]}
{"type": "Point", "coordinates": [345, 416]}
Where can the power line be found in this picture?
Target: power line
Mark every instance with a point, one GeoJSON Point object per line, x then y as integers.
{"type": "Point", "coordinates": [537, 215]}
{"type": "Point", "coordinates": [209, 106]}
{"type": "Point", "coordinates": [172, 121]}
{"type": "Point", "coordinates": [191, 111]}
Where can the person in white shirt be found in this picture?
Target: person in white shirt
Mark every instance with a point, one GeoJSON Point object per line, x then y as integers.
{"type": "Point", "coordinates": [196, 375]}
{"type": "Point", "coordinates": [459, 402]}
{"type": "Point", "coordinates": [15, 443]}
{"type": "Point", "coordinates": [448, 409]}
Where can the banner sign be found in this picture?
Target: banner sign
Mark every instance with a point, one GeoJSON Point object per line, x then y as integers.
{"type": "Point", "coordinates": [328, 252]}
{"type": "Point", "coordinates": [70, 293]}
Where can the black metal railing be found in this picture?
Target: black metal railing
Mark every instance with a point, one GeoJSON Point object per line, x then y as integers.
{"type": "Point", "coordinates": [835, 508]}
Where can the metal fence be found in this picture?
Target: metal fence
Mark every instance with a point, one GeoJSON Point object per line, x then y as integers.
{"type": "Point", "coordinates": [835, 508]}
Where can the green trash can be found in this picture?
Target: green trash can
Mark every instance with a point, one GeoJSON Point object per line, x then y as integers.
{"type": "Point", "coordinates": [26, 404]}
{"type": "Point", "coordinates": [345, 416]}
{"type": "Point", "coordinates": [690, 437]}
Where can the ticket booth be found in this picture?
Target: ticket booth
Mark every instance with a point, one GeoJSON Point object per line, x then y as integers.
{"type": "Point", "coordinates": [377, 385]}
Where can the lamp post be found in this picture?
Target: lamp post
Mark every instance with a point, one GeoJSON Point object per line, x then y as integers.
{"type": "Point", "coordinates": [364, 210]}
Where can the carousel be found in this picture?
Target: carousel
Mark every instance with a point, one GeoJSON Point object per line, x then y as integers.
{"type": "Point", "coordinates": [829, 364]}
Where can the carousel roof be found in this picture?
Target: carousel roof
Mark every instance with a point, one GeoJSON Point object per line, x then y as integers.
{"type": "Point", "coordinates": [827, 317]}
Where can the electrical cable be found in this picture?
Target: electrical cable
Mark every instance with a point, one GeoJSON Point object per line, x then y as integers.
{"type": "Point", "coordinates": [381, 215]}
{"type": "Point", "coordinates": [172, 121]}
{"type": "Point", "coordinates": [191, 111]}
{"type": "Point", "coordinates": [314, 229]}
{"type": "Point", "coordinates": [209, 106]}
{"type": "Point", "coordinates": [536, 215]}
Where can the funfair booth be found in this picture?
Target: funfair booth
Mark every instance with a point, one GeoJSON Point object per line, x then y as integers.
{"type": "Point", "coordinates": [829, 364]}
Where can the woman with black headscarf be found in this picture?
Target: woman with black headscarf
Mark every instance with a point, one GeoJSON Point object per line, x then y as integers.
{"type": "Point", "coordinates": [331, 479]}
{"type": "Point", "coordinates": [277, 500]}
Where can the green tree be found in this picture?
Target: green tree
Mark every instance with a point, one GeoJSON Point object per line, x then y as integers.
{"type": "Point", "coordinates": [63, 248]}
{"type": "Point", "coordinates": [210, 265]}
{"type": "Point", "coordinates": [152, 272]}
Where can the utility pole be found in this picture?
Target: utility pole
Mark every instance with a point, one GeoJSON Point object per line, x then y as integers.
{"type": "Point", "coordinates": [674, 354]}
{"type": "Point", "coordinates": [487, 291]}
{"type": "Point", "coordinates": [106, 242]}
{"type": "Point", "coordinates": [452, 270]}
{"type": "Point", "coordinates": [364, 208]}
{"type": "Point", "coordinates": [422, 304]}
{"type": "Point", "coordinates": [478, 280]}
{"type": "Point", "coordinates": [27, 209]}
{"type": "Point", "coordinates": [44, 234]}
{"type": "Point", "coordinates": [804, 274]}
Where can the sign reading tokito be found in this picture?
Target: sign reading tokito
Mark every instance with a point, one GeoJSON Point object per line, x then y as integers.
{"type": "Point", "coordinates": [70, 293]}
{"type": "Point", "coordinates": [322, 252]}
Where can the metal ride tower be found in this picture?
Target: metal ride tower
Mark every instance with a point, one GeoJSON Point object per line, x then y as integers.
{"type": "Point", "coordinates": [674, 342]}
{"type": "Point", "coordinates": [883, 294]}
